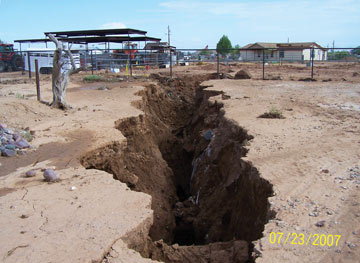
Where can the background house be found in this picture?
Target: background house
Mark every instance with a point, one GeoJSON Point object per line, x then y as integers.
{"type": "Point", "coordinates": [283, 51]}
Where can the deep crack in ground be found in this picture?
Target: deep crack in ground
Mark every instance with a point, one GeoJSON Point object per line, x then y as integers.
{"type": "Point", "coordinates": [188, 157]}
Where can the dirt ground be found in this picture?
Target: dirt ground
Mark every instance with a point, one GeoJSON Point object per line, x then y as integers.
{"type": "Point", "coordinates": [307, 157]}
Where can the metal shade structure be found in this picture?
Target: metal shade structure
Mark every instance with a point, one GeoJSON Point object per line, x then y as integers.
{"type": "Point", "coordinates": [94, 39]}
{"type": "Point", "coordinates": [120, 35]}
{"type": "Point", "coordinates": [98, 32]}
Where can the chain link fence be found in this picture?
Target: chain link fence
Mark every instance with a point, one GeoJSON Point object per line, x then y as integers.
{"type": "Point", "coordinates": [264, 63]}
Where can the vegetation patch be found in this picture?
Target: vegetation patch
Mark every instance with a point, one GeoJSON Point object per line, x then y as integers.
{"type": "Point", "coordinates": [273, 113]}
{"type": "Point", "coordinates": [93, 78]}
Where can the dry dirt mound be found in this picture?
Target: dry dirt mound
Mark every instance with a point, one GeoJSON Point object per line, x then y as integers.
{"type": "Point", "coordinates": [242, 74]}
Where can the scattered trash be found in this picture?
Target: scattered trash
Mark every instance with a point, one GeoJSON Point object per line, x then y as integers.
{"type": "Point", "coordinates": [73, 188]}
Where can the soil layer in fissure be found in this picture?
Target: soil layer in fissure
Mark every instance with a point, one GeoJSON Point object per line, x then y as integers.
{"type": "Point", "coordinates": [209, 204]}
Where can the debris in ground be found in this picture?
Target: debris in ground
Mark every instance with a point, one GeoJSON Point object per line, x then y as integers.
{"type": "Point", "coordinates": [12, 141]}
{"type": "Point", "coordinates": [30, 173]}
{"type": "Point", "coordinates": [307, 79]}
{"type": "Point", "coordinates": [320, 223]}
{"type": "Point", "coordinates": [51, 176]}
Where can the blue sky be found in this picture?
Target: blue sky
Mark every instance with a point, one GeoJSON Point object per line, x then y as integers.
{"type": "Point", "coordinates": [194, 24]}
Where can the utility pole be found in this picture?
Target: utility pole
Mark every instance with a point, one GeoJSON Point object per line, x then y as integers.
{"type": "Point", "coordinates": [170, 53]}
{"type": "Point", "coordinates": [169, 35]}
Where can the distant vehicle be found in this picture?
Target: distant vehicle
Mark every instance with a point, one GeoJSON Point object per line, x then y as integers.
{"type": "Point", "coordinates": [129, 51]}
{"type": "Point", "coordinates": [45, 60]}
{"type": "Point", "coordinates": [9, 58]}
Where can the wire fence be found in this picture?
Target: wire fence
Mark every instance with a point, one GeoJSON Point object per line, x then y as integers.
{"type": "Point", "coordinates": [128, 61]}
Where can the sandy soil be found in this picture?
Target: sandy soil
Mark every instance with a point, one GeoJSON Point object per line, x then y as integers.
{"type": "Point", "coordinates": [49, 222]}
{"type": "Point", "coordinates": [306, 156]}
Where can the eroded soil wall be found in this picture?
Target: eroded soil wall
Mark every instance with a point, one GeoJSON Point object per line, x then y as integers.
{"type": "Point", "coordinates": [188, 157]}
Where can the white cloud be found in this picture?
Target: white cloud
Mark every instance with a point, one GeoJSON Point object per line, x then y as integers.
{"type": "Point", "coordinates": [112, 25]}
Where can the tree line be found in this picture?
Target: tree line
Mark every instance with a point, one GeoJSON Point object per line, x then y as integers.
{"type": "Point", "coordinates": [224, 47]}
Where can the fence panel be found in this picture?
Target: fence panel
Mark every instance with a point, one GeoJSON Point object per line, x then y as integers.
{"type": "Point", "coordinates": [265, 63]}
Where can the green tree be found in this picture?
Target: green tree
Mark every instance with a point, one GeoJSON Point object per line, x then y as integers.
{"type": "Point", "coordinates": [236, 53]}
{"type": "Point", "coordinates": [339, 55]}
{"type": "Point", "coordinates": [224, 45]}
{"type": "Point", "coordinates": [356, 51]}
{"type": "Point", "coordinates": [205, 52]}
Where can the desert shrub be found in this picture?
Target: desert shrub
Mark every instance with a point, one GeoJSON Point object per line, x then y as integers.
{"type": "Point", "coordinates": [273, 113]}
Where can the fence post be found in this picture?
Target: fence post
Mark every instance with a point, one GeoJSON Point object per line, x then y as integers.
{"type": "Point", "coordinates": [263, 54]}
{"type": "Point", "coordinates": [92, 63]}
{"type": "Point", "coordinates": [217, 64]}
{"type": "Point", "coordinates": [29, 65]}
{"type": "Point", "coordinates": [85, 60]}
{"type": "Point", "coordinates": [37, 79]}
{"type": "Point", "coordinates": [312, 63]}
{"type": "Point", "coordinates": [171, 69]}
{"type": "Point", "coordinates": [23, 65]}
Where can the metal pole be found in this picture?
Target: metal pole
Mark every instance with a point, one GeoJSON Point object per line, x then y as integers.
{"type": "Point", "coordinates": [37, 80]}
{"type": "Point", "coordinates": [217, 64]}
{"type": "Point", "coordinates": [312, 63]}
{"type": "Point", "coordinates": [22, 58]}
{"type": "Point", "coordinates": [28, 55]}
{"type": "Point", "coordinates": [92, 63]}
{"type": "Point", "coordinates": [263, 54]}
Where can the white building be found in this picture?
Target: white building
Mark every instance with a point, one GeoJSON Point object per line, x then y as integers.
{"type": "Point", "coordinates": [45, 58]}
{"type": "Point", "coordinates": [283, 51]}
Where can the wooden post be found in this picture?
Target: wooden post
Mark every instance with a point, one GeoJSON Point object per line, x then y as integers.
{"type": "Point", "coordinates": [37, 80]}
{"type": "Point", "coordinates": [217, 64]}
{"type": "Point", "coordinates": [171, 72]}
